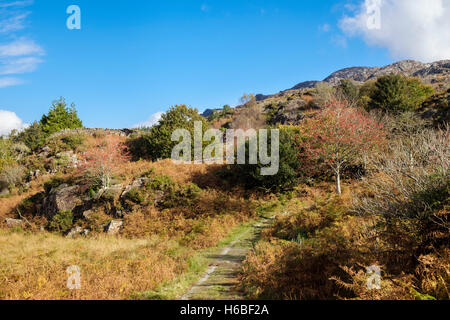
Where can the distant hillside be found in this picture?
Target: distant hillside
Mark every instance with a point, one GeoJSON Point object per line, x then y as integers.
{"type": "Point", "coordinates": [435, 73]}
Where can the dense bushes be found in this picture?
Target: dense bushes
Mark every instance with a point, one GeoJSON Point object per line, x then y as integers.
{"type": "Point", "coordinates": [58, 118]}
{"type": "Point", "coordinates": [157, 142]}
{"type": "Point", "coordinates": [396, 94]}
{"type": "Point", "coordinates": [289, 171]}
{"type": "Point", "coordinates": [33, 137]}
{"type": "Point", "coordinates": [62, 221]}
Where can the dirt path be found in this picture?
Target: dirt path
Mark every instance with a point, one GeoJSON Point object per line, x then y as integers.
{"type": "Point", "coordinates": [220, 279]}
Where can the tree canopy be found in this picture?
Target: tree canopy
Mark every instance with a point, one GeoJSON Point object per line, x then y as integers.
{"type": "Point", "coordinates": [60, 117]}
{"type": "Point", "coordinates": [396, 93]}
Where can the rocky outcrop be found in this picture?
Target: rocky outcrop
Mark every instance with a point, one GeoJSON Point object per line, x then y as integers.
{"type": "Point", "coordinates": [14, 223]}
{"type": "Point", "coordinates": [69, 158]}
{"type": "Point", "coordinates": [289, 113]}
{"type": "Point", "coordinates": [77, 231]}
{"type": "Point", "coordinates": [136, 184]}
{"type": "Point", "coordinates": [431, 73]}
{"type": "Point", "coordinates": [63, 198]}
{"type": "Point", "coordinates": [114, 227]}
{"type": "Point", "coordinates": [112, 193]}
{"type": "Point", "coordinates": [95, 132]}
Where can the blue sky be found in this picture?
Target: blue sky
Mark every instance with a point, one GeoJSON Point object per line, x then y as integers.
{"type": "Point", "coordinates": [132, 59]}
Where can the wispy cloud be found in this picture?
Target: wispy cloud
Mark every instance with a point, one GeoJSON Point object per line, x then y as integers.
{"type": "Point", "coordinates": [8, 82]}
{"type": "Point", "coordinates": [20, 55]}
{"type": "Point", "coordinates": [21, 47]}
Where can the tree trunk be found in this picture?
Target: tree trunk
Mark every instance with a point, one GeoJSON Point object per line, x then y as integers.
{"type": "Point", "coordinates": [338, 183]}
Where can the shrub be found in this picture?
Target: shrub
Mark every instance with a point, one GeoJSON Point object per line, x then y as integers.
{"type": "Point", "coordinates": [136, 196]}
{"type": "Point", "coordinates": [6, 158]}
{"type": "Point", "coordinates": [366, 91]}
{"type": "Point", "coordinates": [250, 116]}
{"type": "Point", "coordinates": [68, 142]}
{"type": "Point", "coordinates": [62, 221]}
{"type": "Point", "coordinates": [396, 94]}
{"type": "Point", "coordinates": [33, 137]}
{"type": "Point", "coordinates": [413, 188]}
{"type": "Point", "coordinates": [289, 170]}
{"type": "Point", "coordinates": [12, 176]}
{"type": "Point", "coordinates": [181, 196]}
{"type": "Point", "coordinates": [102, 162]}
{"type": "Point", "coordinates": [157, 142]}
{"type": "Point", "coordinates": [348, 91]}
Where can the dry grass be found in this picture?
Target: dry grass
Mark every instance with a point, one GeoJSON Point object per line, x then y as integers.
{"type": "Point", "coordinates": [33, 266]}
{"type": "Point", "coordinates": [154, 246]}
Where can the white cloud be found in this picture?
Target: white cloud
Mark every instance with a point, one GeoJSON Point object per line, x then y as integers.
{"type": "Point", "coordinates": [409, 29]}
{"type": "Point", "coordinates": [10, 121]}
{"type": "Point", "coordinates": [19, 66]}
{"type": "Point", "coordinates": [21, 47]}
{"type": "Point", "coordinates": [16, 3]}
{"type": "Point", "coordinates": [13, 23]}
{"type": "Point", "coordinates": [154, 119]}
{"type": "Point", "coordinates": [8, 82]}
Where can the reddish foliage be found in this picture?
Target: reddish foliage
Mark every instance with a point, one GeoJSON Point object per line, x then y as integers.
{"type": "Point", "coordinates": [338, 136]}
{"type": "Point", "coordinates": [101, 163]}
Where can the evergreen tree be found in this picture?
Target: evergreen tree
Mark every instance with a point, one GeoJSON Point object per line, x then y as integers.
{"type": "Point", "coordinates": [60, 117]}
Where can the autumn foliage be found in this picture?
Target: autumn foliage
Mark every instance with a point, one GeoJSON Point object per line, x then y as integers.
{"type": "Point", "coordinates": [337, 137]}
{"type": "Point", "coordinates": [100, 164]}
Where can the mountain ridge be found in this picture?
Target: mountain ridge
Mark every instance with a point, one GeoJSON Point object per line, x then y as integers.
{"type": "Point", "coordinates": [435, 73]}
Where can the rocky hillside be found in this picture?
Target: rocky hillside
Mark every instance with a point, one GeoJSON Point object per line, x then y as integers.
{"type": "Point", "coordinates": [435, 73]}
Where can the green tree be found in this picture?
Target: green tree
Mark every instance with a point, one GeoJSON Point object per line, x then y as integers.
{"type": "Point", "coordinates": [397, 94]}
{"type": "Point", "coordinates": [157, 142]}
{"type": "Point", "coordinates": [33, 137]}
{"type": "Point", "coordinates": [289, 171]}
{"type": "Point", "coordinates": [60, 117]}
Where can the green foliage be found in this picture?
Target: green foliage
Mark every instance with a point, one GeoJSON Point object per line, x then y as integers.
{"type": "Point", "coordinates": [226, 112]}
{"type": "Point", "coordinates": [397, 94]}
{"type": "Point", "coordinates": [6, 158]}
{"type": "Point", "coordinates": [366, 91]}
{"type": "Point", "coordinates": [62, 221]}
{"type": "Point", "coordinates": [69, 142]}
{"type": "Point", "coordinates": [160, 183]}
{"type": "Point", "coordinates": [437, 108]}
{"type": "Point", "coordinates": [181, 196]}
{"type": "Point", "coordinates": [74, 141]}
{"type": "Point", "coordinates": [33, 137]}
{"type": "Point", "coordinates": [136, 196]}
{"type": "Point", "coordinates": [60, 117]}
{"type": "Point", "coordinates": [168, 193]}
{"type": "Point", "coordinates": [157, 143]}
{"type": "Point", "coordinates": [289, 171]}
